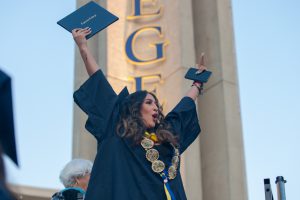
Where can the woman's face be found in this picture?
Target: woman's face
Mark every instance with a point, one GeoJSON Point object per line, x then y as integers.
{"type": "Point", "coordinates": [149, 111]}
{"type": "Point", "coordinates": [83, 182]}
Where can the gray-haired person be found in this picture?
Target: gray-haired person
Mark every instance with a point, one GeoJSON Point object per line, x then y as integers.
{"type": "Point", "coordinates": [75, 177]}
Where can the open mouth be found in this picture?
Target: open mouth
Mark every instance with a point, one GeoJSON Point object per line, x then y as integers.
{"type": "Point", "coordinates": [155, 117]}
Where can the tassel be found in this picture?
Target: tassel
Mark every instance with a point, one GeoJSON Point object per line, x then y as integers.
{"type": "Point", "coordinates": [151, 136]}
{"type": "Point", "coordinates": [167, 193]}
{"type": "Point", "coordinates": [168, 190]}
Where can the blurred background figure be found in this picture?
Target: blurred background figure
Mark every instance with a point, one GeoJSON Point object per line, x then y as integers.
{"type": "Point", "coordinates": [75, 177]}
{"type": "Point", "coordinates": [7, 134]}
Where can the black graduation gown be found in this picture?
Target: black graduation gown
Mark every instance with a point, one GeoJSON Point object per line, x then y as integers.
{"type": "Point", "coordinates": [121, 170]}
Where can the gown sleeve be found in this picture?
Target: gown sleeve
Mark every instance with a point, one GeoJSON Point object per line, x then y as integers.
{"type": "Point", "coordinates": [98, 100]}
{"type": "Point", "coordinates": [184, 122]}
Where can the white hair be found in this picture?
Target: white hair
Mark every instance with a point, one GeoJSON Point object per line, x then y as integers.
{"type": "Point", "coordinates": [75, 169]}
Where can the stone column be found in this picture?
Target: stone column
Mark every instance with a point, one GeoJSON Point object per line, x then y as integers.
{"type": "Point", "coordinates": [176, 22]}
{"type": "Point", "coordinates": [213, 167]}
{"type": "Point", "coordinates": [222, 151]}
{"type": "Point", "coordinates": [84, 144]}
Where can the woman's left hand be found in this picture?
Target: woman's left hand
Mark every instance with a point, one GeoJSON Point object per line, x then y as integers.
{"type": "Point", "coordinates": [196, 87]}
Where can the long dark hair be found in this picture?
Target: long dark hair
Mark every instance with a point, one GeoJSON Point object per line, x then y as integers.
{"type": "Point", "coordinates": [131, 123]}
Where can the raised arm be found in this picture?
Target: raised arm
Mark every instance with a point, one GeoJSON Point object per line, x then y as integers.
{"type": "Point", "coordinates": [86, 55]}
{"type": "Point", "coordinates": [194, 91]}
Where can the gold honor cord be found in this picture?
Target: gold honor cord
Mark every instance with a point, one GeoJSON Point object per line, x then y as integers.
{"type": "Point", "coordinates": [152, 155]}
{"type": "Point", "coordinates": [159, 166]}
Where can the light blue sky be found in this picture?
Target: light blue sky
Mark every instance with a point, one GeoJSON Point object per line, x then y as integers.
{"type": "Point", "coordinates": [39, 55]}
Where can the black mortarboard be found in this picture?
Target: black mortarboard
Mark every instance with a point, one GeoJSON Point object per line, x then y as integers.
{"type": "Point", "coordinates": [7, 133]}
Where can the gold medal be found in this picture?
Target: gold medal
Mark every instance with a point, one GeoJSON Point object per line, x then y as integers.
{"type": "Point", "coordinates": [172, 172]}
{"type": "Point", "coordinates": [152, 155]}
{"type": "Point", "coordinates": [158, 166]}
{"type": "Point", "coordinates": [147, 143]}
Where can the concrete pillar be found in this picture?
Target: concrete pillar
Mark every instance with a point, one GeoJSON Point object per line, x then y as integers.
{"type": "Point", "coordinates": [84, 144]}
{"type": "Point", "coordinates": [222, 152]}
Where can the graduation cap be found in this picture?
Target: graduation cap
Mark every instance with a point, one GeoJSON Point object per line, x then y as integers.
{"type": "Point", "coordinates": [7, 132]}
{"type": "Point", "coordinates": [90, 15]}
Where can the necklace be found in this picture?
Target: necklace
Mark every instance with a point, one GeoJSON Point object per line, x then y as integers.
{"type": "Point", "coordinates": [157, 165]}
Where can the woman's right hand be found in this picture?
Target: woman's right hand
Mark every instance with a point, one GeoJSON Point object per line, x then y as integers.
{"type": "Point", "coordinates": [79, 36]}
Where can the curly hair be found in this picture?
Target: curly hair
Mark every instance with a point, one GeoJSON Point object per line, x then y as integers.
{"type": "Point", "coordinates": [131, 122]}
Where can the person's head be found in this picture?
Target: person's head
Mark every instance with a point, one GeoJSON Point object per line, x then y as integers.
{"type": "Point", "coordinates": [141, 111]}
{"type": "Point", "coordinates": [143, 107]}
{"type": "Point", "coordinates": [76, 173]}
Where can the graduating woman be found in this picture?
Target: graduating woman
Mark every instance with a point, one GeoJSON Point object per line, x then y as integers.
{"type": "Point", "coordinates": [138, 148]}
